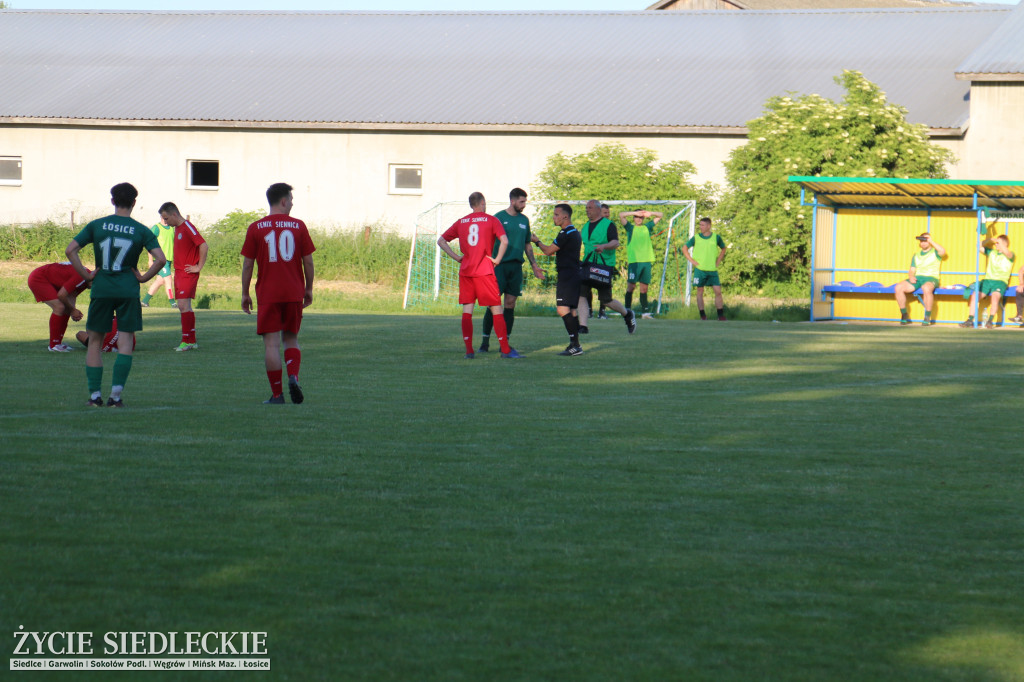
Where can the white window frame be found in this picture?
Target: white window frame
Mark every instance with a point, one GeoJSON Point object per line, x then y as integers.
{"type": "Point", "coordinates": [11, 182]}
{"type": "Point", "coordinates": [393, 169]}
{"type": "Point", "coordinates": [188, 175]}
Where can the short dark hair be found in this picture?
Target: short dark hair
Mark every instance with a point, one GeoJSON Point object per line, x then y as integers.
{"type": "Point", "coordinates": [475, 198]}
{"type": "Point", "coordinates": [705, 219]}
{"type": "Point", "coordinates": [606, 206]}
{"type": "Point", "coordinates": [124, 195]}
{"type": "Point", "coordinates": [278, 191]}
{"type": "Point", "coordinates": [517, 193]}
{"type": "Point", "coordinates": [168, 207]}
{"type": "Point", "coordinates": [565, 208]}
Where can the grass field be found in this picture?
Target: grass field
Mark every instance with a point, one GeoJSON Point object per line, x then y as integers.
{"type": "Point", "coordinates": [701, 501]}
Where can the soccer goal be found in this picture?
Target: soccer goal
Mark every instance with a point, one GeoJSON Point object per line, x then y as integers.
{"type": "Point", "coordinates": [432, 279]}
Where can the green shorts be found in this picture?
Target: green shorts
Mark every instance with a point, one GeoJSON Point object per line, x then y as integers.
{"type": "Point", "coordinates": [510, 277]}
{"type": "Point", "coordinates": [639, 272]}
{"type": "Point", "coordinates": [705, 278]}
{"type": "Point", "coordinates": [921, 281]}
{"type": "Point", "coordinates": [988, 287]}
{"type": "Point", "coordinates": [102, 310]}
{"type": "Point", "coordinates": [166, 270]}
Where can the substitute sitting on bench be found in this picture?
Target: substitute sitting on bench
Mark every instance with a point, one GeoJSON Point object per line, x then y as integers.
{"type": "Point", "coordinates": [925, 267]}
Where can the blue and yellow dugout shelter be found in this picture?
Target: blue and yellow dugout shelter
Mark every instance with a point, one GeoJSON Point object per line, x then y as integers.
{"type": "Point", "coordinates": [863, 236]}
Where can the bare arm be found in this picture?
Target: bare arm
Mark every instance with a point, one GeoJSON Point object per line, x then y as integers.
{"type": "Point", "coordinates": [501, 250]}
{"type": "Point", "coordinates": [547, 249]}
{"type": "Point", "coordinates": [158, 262]}
{"type": "Point", "coordinates": [608, 246]}
{"type": "Point", "coordinates": [537, 271]}
{"type": "Point", "coordinates": [721, 257]}
{"type": "Point", "coordinates": [446, 247]}
{"type": "Point", "coordinates": [938, 249]}
{"type": "Point", "coordinates": [68, 301]}
{"type": "Point", "coordinates": [204, 249]}
{"type": "Point", "coordinates": [307, 269]}
{"type": "Point", "coordinates": [247, 264]}
{"type": "Point", "coordinates": [76, 261]}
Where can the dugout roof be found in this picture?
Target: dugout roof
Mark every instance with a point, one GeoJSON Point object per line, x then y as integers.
{"type": "Point", "coordinates": [644, 72]}
{"type": "Point", "coordinates": [914, 193]}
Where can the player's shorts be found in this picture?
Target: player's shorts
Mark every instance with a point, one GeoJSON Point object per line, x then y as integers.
{"type": "Point", "coordinates": [284, 316]}
{"type": "Point", "coordinates": [705, 278]}
{"type": "Point", "coordinates": [510, 278]}
{"type": "Point", "coordinates": [567, 290]}
{"type": "Point", "coordinates": [102, 311]}
{"type": "Point", "coordinates": [166, 270]}
{"type": "Point", "coordinates": [483, 289]}
{"type": "Point", "coordinates": [639, 272]}
{"type": "Point", "coordinates": [921, 281]}
{"type": "Point", "coordinates": [40, 287]}
{"type": "Point", "coordinates": [988, 287]}
{"type": "Point", "coordinates": [604, 291]}
{"type": "Point", "coordinates": [185, 284]}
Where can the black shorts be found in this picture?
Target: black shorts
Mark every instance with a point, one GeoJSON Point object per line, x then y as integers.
{"type": "Point", "coordinates": [604, 291]}
{"type": "Point", "coordinates": [567, 291]}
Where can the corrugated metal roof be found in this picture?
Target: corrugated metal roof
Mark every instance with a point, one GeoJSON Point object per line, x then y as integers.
{"type": "Point", "coordinates": [914, 192]}
{"type": "Point", "coordinates": [548, 68]}
{"type": "Point", "coordinates": [1000, 54]}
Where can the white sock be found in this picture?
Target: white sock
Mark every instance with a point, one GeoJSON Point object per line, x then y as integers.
{"type": "Point", "coordinates": [115, 392]}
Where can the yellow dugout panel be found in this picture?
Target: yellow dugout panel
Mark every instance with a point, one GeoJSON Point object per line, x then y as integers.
{"type": "Point", "coordinates": [864, 237]}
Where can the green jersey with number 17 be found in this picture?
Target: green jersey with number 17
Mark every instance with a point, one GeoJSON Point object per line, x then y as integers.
{"type": "Point", "coordinates": [117, 242]}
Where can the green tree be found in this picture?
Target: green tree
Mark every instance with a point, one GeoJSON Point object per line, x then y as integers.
{"type": "Point", "coordinates": [862, 136]}
{"type": "Point", "coordinates": [610, 171]}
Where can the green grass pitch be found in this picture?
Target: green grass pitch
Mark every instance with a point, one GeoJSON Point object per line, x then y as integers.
{"type": "Point", "coordinates": [700, 501]}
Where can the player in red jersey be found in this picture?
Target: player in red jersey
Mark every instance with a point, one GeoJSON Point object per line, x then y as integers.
{"type": "Point", "coordinates": [281, 247]}
{"type": "Point", "coordinates": [109, 339]}
{"type": "Point", "coordinates": [189, 257]}
{"type": "Point", "coordinates": [476, 234]}
{"type": "Point", "coordinates": [58, 285]}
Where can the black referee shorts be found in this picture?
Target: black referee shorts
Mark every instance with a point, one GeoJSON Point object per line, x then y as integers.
{"type": "Point", "coordinates": [567, 290]}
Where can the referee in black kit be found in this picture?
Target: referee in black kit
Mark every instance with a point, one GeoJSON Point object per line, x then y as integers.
{"type": "Point", "coordinates": [566, 250]}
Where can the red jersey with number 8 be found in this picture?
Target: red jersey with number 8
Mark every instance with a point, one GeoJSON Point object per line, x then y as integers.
{"type": "Point", "coordinates": [476, 233]}
{"type": "Point", "coordinates": [278, 244]}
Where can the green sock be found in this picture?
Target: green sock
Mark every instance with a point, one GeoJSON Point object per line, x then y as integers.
{"type": "Point", "coordinates": [928, 315]}
{"type": "Point", "coordinates": [94, 375]}
{"type": "Point", "coordinates": [903, 312]}
{"type": "Point", "coordinates": [970, 318]}
{"type": "Point", "coordinates": [122, 366]}
{"type": "Point", "coordinates": [173, 302]}
{"type": "Point", "coordinates": [145, 299]}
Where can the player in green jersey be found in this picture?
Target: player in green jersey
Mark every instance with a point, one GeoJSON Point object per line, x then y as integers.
{"type": "Point", "coordinates": [509, 272]}
{"type": "Point", "coordinates": [639, 254]}
{"type": "Point", "coordinates": [117, 241]}
{"type": "Point", "coordinates": [165, 237]}
{"type": "Point", "coordinates": [996, 281]}
{"type": "Point", "coordinates": [924, 275]}
{"type": "Point", "coordinates": [708, 252]}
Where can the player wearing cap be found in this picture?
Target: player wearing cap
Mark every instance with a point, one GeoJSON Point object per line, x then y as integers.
{"type": "Point", "coordinates": [477, 233]}
{"type": "Point", "coordinates": [925, 268]}
{"type": "Point", "coordinates": [280, 246]}
{"type": "Point", "coordinates": [639, 254]}
{"type": "Point", "coordinates": [58, 285]}
{"type": "Point", "coordinates": [996, 281]}
{"type": "Point", "coordinates": [190, 251]}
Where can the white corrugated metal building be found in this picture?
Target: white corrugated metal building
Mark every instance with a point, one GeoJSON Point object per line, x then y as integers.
{"type": "Point", "coordinates": [379, 115]}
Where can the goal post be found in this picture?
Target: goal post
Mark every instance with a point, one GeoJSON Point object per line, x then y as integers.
{"type": "Point", "coordinates": [432, 280]}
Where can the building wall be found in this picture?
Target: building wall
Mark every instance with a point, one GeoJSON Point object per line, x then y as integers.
{"type": "Point", "coordinates": [340, 177]}
{"type": "Point", "coordinates": [994, 140]}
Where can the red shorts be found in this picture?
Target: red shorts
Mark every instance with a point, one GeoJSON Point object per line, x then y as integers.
{"type": "Point", "coordinates": [185, 284]}
{"type": "Point", "coordinates": [279, 317]}
{"type": "Point", "coordinates": [41, 288]}
{"type": "Point", "coordinates": [483, 289]}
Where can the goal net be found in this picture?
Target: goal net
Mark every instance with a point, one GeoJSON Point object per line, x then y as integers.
{"type": "Point", "coordinates": [432, 281]}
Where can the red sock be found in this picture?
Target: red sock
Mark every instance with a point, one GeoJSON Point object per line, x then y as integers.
{"type": "Point", "coordinates": [467, 331]}
{"type": "Point", "coordinates": [188, 327]}
{"type": "Point", "coordinates": [502, 331]}
{"type": "Point", "coordinates": [292, 360]}
{"type": "Point", "coordinates": [58, 325]}
{"type": "Point", "coordinates": [275, 381]}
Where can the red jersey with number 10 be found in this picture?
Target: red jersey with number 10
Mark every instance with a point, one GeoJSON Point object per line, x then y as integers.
{"type": "Point", "coordinates": [476, 233]}
{"type": "Point", "coordinates": [278, 244]}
